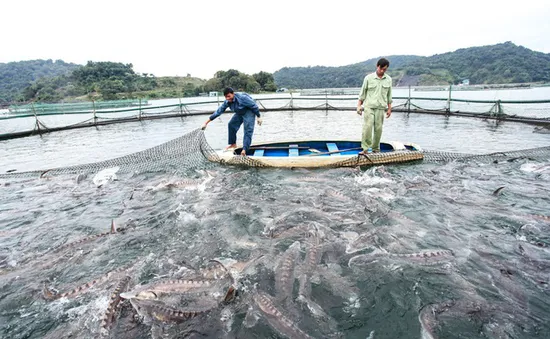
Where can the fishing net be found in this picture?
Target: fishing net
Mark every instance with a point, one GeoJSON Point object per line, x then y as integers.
{"type": "Point", "coordinates": [191, 151]}
{"type": "Point", "coordinates": [38, 119]}
{"type": "Point", "coordinates": [539, 153]}
{"type": "Point", "coordinates": [398, 157]}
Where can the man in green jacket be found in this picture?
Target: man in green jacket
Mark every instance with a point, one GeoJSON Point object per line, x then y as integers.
{"type": "Point", "coordinates": [376, 94]}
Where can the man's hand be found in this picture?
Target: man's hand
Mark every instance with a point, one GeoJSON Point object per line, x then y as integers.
{"type": "Point", "coordinates": [388, 114]}
{"type": "Point", "coordinates": [359, 110]}
{"type": "Point", "coordinates": [259, 121]}
{"type": "Point", "coordinates": [205, 124]}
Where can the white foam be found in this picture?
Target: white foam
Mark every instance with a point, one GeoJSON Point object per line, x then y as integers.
{"type": "Point", "coordinates": [521, 238]}
{"type": "Point", "coordinates": [535, 168]}
{"type": "Point", "coordinates": [186, 217]}
{"type": "Point", "coordinates": [245, 244]}
{"type": "Point", "coordinates": [367, 180]}
{"type": "Point", "coordinates": [350, 235]}
{"type": "Point", "coordinates": [105, 175]}
{"type": "Point", "coordinates": [227, 318]}
{"type": "Point", "coordinates": [352, 305]}
{"type": "Point", "coordinates": [202, 186]}
{"type": "Point", "coordinates": [385, 193]}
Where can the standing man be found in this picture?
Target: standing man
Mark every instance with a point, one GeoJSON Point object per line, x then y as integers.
{"type": "Point", "coordinates": [376, 94]}
{"type": "Point", "coordinates": [246, 110]}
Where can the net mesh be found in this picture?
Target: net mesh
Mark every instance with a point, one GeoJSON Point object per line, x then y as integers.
{"type": "Point", "coordinates": [539, 153]}
{"type": "Point", "coordinates": [352, 161]}
{"type": "Point", "coordinates": [191, 151]}
{"type": "Point", "coordinates": [21, 123]}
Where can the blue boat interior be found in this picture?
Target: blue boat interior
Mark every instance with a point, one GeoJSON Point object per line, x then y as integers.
{"type": "Point", "coordinates": [306, 148]}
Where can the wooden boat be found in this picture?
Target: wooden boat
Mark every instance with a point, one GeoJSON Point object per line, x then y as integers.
{"type": "Point", "coordinates": [320, 153]}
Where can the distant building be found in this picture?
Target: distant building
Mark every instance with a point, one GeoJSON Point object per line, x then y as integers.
{"type": "Point", "coordinates": [466, 82]}
{"type": "Point", "coordinates": [213, 94]}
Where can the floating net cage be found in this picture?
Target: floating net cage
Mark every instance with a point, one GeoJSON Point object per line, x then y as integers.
{"type": "Point", "coordinates": [33, 119]}
{"type": "Point", "coordinates": [192, 151]}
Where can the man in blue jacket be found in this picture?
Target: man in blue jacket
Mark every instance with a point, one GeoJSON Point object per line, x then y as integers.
{"type": "Point", "coordinates": [246, 110]}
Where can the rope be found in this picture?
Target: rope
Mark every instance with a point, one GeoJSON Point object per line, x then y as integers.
{"type": "Point", "coordinates": [495, 112]}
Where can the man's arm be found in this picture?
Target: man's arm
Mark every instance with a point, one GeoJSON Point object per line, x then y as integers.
{"type": "Point", "coordinates": [390, 100]}
{"type": "Point", "coordinates": [220, 110]}
{"type": "Point", "coordinates": [216, 114]}
{"type": "Point", "coordinates": [247, 101]}
{"type": "Point", "coordinates": [362, 95]}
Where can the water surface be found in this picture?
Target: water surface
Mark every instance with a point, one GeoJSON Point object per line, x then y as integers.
{"type": "Point", "coordinates": [493, 273]}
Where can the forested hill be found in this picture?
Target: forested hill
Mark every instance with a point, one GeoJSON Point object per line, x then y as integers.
{"type": "Point", "coordinates": [495, 64]}
{"type": "Point", "coordinates": [15, 76]}
{"type": "Point", "coordinates": [106, 80]}
{"type": "Point", "coordinates": [330, 77]}
{"type": "Point", "coordinates": [53, 81]}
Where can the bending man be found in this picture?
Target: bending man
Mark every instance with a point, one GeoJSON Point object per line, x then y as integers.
{"type": "Point", "coordinates": [376, 94]}
{"type": "Point", "coordinates": [246, 110]}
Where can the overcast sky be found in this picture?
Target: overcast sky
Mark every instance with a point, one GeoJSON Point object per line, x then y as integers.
{"type": "Point", "coordinates": [202, 37]}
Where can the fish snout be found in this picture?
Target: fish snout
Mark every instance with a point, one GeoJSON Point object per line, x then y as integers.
{"type": "Point", "coordinates": [127, 295]}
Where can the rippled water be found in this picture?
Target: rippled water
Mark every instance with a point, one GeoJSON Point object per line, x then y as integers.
{"type": "Point", "coordinates": [453, 134]}
{"type": "Point", "coordinates": [485, 275]}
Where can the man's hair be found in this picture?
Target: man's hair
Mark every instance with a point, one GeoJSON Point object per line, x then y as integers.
{"type": "Point", "coordinates": [383, 63]}
{"type": "Point", "coordinates": [227, 90]}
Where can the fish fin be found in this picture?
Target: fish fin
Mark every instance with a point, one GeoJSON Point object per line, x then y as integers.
{"type": "Point", "coordinates": [47, 293]}
{"type": "Point", "coordinates": [231, 294]}
{"type": "Point", "coordinates": [498, 190]}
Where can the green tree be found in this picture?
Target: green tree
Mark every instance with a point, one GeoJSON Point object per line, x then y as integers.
{"type": "Point", "coordinates": [270, 87]}
{"type": "Point", "coordinates": [189, 90]}
{"type": "Point", "coordinates": [214, 84]}
{"type": "Point", "coordinates": [237, 80]}
{"type": "Point", "coordinates": [265, 79]}
{"type": "Point", "coordinates": [252, 86]}
{"type": "Point", "coordinates": [168, 83]}
{"type": "Point", "coordinates": [15, 77]}
{"type": "Point", "coordinates": [110, 87]}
